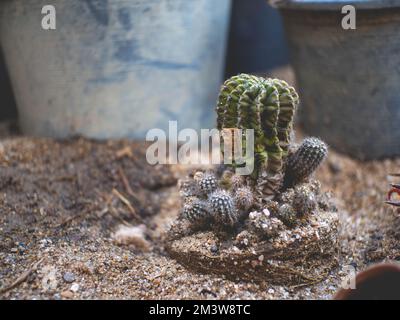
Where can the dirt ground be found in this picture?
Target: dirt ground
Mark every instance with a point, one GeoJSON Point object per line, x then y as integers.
{"type": "Point", "coordinates": [61, 202]}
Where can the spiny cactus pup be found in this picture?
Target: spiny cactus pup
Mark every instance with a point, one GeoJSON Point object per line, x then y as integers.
{"type": "Point", "coordinates": [304, 161]}
{"type": "Point", "coordinates": [304, 201]}
{"type": "Point", "coordinates": [188, 188]}
{"type": "Point", "coordinates": [196, 211]}
{"type": "Point", "coordinates": [208, 183]}
{"type": "Point", "coordinates": [237, 181]}
{"type": "Point", "coordinates": [223, 207]}
{"type": "Point", "coordinates": [287, 215]}
{"type": "Point", "coordinates": [244, 198]}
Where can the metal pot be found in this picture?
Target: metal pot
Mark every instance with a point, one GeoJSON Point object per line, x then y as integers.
{"type": "Point", "coordinates": [348, 79]}
{"type": "Point", "coordinates": [114, 68]}
{"type": "Point", "coordinates": [379, 282]}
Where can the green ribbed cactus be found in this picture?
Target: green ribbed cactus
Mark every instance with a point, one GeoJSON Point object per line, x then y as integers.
{"type": "Point", "coordinates": [267, 106]}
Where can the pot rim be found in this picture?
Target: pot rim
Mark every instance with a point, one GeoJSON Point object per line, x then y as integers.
{"type": "Point", "coordinates": [333, 4]}
{"type": "Point", "coordinates": [371, 272]}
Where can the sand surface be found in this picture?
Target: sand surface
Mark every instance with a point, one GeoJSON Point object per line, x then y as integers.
{"type": "Point", "coordinates": [61, 202]}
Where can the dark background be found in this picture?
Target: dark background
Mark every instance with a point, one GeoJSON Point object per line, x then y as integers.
{"type": "Point", "coordinates": [7, 109]}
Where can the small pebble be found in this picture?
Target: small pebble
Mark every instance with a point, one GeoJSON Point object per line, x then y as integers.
{"type": "Point", "coordinates": [75, 287]}
{"type": "Point", "coordinates": [335, 167]}
{"type": "Point", "coordinates": [214, 248]}
{"type": "Point", "coordinates": [67, 294]}
{"type": "Point", "coordinates": [69, 277]}
{"type": "Point", "coordinates": [57, 296]}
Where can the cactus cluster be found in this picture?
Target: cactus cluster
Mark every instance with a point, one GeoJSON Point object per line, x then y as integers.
{"type": "Point", "coordinates": [267, 106]}
{"type": "Point", "coordinates": [205, 200]}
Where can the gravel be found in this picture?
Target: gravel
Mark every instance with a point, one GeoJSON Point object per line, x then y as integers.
{"type": "Point", "coordinates": [73, 235]}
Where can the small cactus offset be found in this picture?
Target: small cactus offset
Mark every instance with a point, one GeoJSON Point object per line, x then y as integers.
{"type": "Point", "coordinates": [304, 161]}
{"type": "Point", "coordinates": [224, 208]}
{"type": "Point", "coordinates": [244, 198]}
{"type": "Point", "coordinates": [196, 211]}
{"type": "Point", "coordinates": [287, 214]}
{"type": "Point", "coordinates": [237, 181]}
{"type": "Point", "coordinates": [208, 183]}
{"type": "Point", "coordinates": [188, 188]}
{"type": "Point", "coordinates": [303, 200]}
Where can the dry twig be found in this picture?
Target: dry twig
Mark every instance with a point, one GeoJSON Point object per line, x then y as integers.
{"type": "Point", "coordinates": [127, 203]}
{"type": "Point", "coordinates": [127, 185]}
{"type": "Point", "coordinates": [126, 151]}
{"type": "Point", "coordinates": [21, 278]}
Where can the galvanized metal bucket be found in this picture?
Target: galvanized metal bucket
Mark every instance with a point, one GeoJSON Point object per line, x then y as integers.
{"type": "Point", "coordinates": [114, 68]}
{"type": "Point", "coordinates": [348, 79]}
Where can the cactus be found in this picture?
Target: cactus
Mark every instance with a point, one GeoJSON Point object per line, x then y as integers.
{"type": "Point", "coordinates": [244, 198]}
{"type": "Point", "coordinates": [304, 201]}
{"type": "Point", "coordinates": [188, 189]}
{"type": "Point", "coordinates": [287, 215]}
{"type": "Point", "coordinates": [268, 107]}
{"type": "Point", "coordinates": [275, 221]}
{"type": "Point", "coordinates": [223, 207]}
{"type": "Point", "coordinates": [208, 183]}
{"type": "Point", "coordinates": [196, 211]}
{"type": "Point", "coordinates": [304, 161]}
{"type": "Point", "coordinates": [237, 181]}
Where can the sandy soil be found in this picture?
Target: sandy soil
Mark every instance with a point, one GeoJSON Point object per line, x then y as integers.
{"type": "Point", "coordinates": [61, 202]}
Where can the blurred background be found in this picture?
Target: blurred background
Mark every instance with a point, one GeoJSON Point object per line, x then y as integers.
{"type": "Point", "coordinates": [256, 41]}
{"type": "Point", "coordinates": [116, 68]}
{"type": "Point", "coordinates": [250, 21]}
{"type": "Point", "coordinates": [8, 108]}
